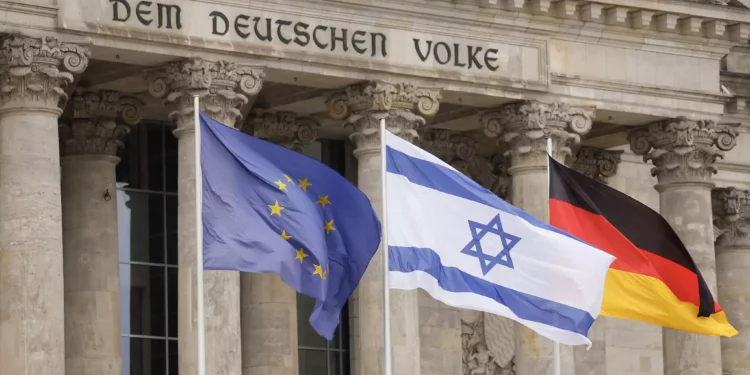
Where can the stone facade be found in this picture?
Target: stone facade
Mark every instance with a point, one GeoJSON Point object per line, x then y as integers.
{"type": "Point", "coordinates": [650, 98]}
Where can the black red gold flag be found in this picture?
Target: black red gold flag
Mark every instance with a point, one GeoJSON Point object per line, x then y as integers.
{"type": "Point", "coordinates": [654, 279]}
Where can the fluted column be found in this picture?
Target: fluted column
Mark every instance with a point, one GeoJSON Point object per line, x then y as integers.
{"type": "Point", "coordinates": [88, 144]}
{"type": "Point", "coordinates": [731, 208]}
{"type": "Point", "coordinates": [597, 163]}
{"type": "Point", "coordinates": [525, 127]}
{"type": "Point", "coordinates": [362, 106]}
{"type": "Point", "coordinates": [223, 87]}
{"type": "Point", "coordinates": [683, 153]}
{"type": "Point", "coordinates": [33, 75]}
{"type": "Point", "coordinates": [268, 305]}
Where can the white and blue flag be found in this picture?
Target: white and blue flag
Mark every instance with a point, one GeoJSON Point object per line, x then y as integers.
{"type": "Point", "coordinates": [470, 249]}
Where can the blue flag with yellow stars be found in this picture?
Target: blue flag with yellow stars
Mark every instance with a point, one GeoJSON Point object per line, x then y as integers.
{"type": "Point", "coordinates": [269, 209]}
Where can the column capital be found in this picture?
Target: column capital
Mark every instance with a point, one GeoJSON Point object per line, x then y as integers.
{"type": "Point", "coordinates": [94, 127]}
{"type": "Point", "coordinates": [597, 163]}
{"type": "Point", "coordinates": [526, 126]}
{"type": "Point", "coordinates": [402, 105]}
{"type": "Point", "coordinates": [447, 145]}
{"type": "Point", "coordinates": [731, 209]}
{"type": "Point", "coordinates": [222, 86]}
{"type": "Point", "coordinates": [489, 172]}
{"type": "Point", "coordinates": [683, 150]}
{"type": "Point", "coordinates": [283, 128]}
{"type": "Point", "coordinates": [34, 71]}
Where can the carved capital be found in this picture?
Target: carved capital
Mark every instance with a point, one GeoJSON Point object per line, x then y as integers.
{"type": "Point", "coordinates": [731, 209]}
{"type": "Point", "coordinates": [223, 87]}
{"type": "Point", "coordinates": [491, 173]}
{"type": "Point", "coordinates": [597, 163]}
{"type": "Point", "coordinates": [94, 129]}
{"type": "Point", "coordinates": [447, 145]}
{"type": "Point", "coordinates": [683, 150]}
{"type": "Point", "coordinates": [283, 128]}
{"type": "Point", "coordinates": [525, 126]}
{"type": "Point", "coordinates": [402, 105]}
{"type": "Point", "coordinates": [35, 71]}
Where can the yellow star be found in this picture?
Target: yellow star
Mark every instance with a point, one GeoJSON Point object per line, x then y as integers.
{"type": "Point", "coordinates": [323, 200]}
{"type": "Point", "coordinates": [275, 208]}
{"type": "Point", "coordinates": [304, 184]}
{"type": "Point", "coordinates": [319, 271]}
{"type": "Point", "coordinates": [329, 226]}
{"type": "Point", "coordinates": [282, 186]}
{"type": "Point", "coordinates": [300, 255]}
{"type": "Point", "coordinates": [289, 179]}
{"type": "Point", "coordinates": [284, 235]}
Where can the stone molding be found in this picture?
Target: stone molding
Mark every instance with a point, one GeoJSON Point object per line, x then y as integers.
{"type": "Point", "coordinates": [731, 209]}
{"type": "Point", "coordinates": [526, 125]}
{"type": "Point", "coordinates": [363, 105]}
{"type": "Point", "coordinates": [683, 150]}
{"type": "Point", "coordinates": [283, 128]}
{"type": "Point", "coordinates": [94, 129]}
{"type": "Point", "coordinates": [597, 163]}
{"type": "Point", "coordinates": [223, 88]}
{"type": "Point", "coordinates": [35, 71]}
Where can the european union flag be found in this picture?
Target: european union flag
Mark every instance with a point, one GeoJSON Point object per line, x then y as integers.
{"type": "Point", "coordinates": [269, 209]}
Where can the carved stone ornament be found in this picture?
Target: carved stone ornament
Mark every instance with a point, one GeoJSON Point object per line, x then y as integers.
{"type": "Point", "coordinates": [682, 149]}
{"type": "Point", "coordinates": [94, 129]}
{"type": "Point", "coordinates": [731, 208]}
{"type": "Point", "coordinates": [283, 128]}
{"type": "Point", "coordinates": [447, 145]}
{"type": "Point", "coordinates": [30, 70]}
{"type": "Point", "coordinates": [488, 344]}
{"type": "Point", "coordinates": [597, 163]}
{"type": "Point", "coordinates": [402, 105]}
{"type": "Point", "coordinates": [527, 125]}
{"type": "Point", "coordinates": [223, 87]}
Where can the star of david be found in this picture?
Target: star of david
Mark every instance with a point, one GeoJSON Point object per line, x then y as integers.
{"type": "Point", "coordinates": [474, 248]}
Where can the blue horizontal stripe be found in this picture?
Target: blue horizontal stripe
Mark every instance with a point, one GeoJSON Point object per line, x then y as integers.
{"type": "Point", "coordinates": [449, 181]}
{"type": "Point", "coordinates": [525, 306]}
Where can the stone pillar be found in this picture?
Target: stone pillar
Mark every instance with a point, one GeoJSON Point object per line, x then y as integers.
{"type": "Point", "coordinates": [525, 127]}
{"type": "Point", "coordinates": [268, 306]}
{"type": "Point", "coordinates": [683, 153]}
{"type": "Point", "coordinates": [362, 106]}
{"type": "Point", "coordinates": [223, 87]}
{"type": "Point", "coordinates": [731, 209]}
{"type": "Point", "coordinates": [89, 145]}
{"type": "Point", "coordinates": [33, 75]}
{"type": "Point", "coordinates": [597, 163]}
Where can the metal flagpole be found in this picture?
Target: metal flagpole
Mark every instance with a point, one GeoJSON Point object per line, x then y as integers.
{"type": "Point", "coordinates": [384, 243]}
{"type": "Point", "coordinates": [556, 345]}
{"type": "Point", "coordinates": [199, 239]}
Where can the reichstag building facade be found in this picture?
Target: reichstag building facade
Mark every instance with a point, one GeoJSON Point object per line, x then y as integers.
{"type": "Point", "coordinates": [97, 227]}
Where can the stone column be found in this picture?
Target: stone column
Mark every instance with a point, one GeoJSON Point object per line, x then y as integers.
{"type": "Point", "coordinates": [268, 306]}
{"type": "Point", "coordinates": [683, 153]}
{"type": "Point", "coordinates": [731, 209]}
{"type": "Point", "coordinates": [525, 127]}
{"type": "Point", "coordinates": [362, 106]}
{"type": "Point", "coordinates": [223, 87]}
{"type": "Point", "coordinates": [89, 145]}
{"type": "Point", "coordinates": [33, 75]}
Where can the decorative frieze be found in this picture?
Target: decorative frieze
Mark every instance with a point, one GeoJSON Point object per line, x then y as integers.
{"type": "Point", "coordinates": [681, 149]}
{"type": "Point", "coordinates": [488, 343]}
{"type": "Point", "coordinates": [35, 71]}
{"type": "Point", "coordinates": [525, 126]}
{"type": "Point", "coordinates": [283, 128]}
{"type": "Point", "coordinates": [94, 128]}
{"type": "Point", "coordinates": [731, 209]}
{"type": "Point", "coordinates": [223, 87]}
{"type": "Point", "coordinates": [597, 163]}
{"type": "Point", "coordinates": [363, 105]}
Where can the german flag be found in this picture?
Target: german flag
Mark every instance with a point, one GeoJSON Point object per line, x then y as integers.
{"type": "Point", "coordinates": [654, 279]}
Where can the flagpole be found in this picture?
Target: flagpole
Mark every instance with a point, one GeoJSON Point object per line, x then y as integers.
{"type": "Point", "coordinates": [556, 345]}
{"type": "Point", "coordinates": [384, 242]}
{"type": "Point", "coordinates": [199, 239]}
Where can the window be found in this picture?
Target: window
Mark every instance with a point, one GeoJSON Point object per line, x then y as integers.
{"type": "Point", "coordinates": [147, 224]}
{"type": "Point", "coordinates": [317, 356]}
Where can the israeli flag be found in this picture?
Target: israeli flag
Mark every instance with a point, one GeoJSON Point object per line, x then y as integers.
{"type": "Point", "coordinates": [470, 249]}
